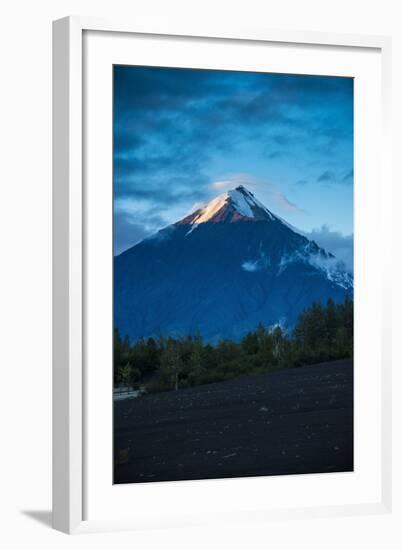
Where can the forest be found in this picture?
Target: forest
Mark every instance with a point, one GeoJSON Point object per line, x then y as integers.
{"type": "Point", "coordinates": [323, 332]}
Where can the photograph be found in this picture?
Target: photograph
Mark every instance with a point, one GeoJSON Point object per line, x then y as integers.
{"type": "Point", "coordinates": [233, 274]}
{"type": "Point", "coordinates": [200, 257]}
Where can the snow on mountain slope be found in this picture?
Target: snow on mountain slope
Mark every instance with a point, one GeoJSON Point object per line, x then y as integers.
{"type": "Point", "coordinates": [235, 205]}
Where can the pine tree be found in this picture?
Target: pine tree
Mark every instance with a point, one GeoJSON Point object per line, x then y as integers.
{"type": "Point", "coordinates": [195, 362]}
{"type": "Point", "coordinates": [250, 343]}
{"type": "Point", "coordinates": [171, 364]}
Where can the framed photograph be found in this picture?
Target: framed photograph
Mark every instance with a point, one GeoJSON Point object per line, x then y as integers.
{"type": "Point", "coordinates": [221, 303]}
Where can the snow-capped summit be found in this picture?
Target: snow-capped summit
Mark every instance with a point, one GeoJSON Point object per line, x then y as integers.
{"type": "Point", "coordinates": [234, 205]}
{"type": "Point", "coordinates": [219, 273]}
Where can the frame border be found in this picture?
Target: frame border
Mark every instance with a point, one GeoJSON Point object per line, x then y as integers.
{"type": "Point", "coordinates": [68, 256]}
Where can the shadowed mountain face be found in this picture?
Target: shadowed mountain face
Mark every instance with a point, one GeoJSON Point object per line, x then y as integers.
{"type": "Point", "coordinates": [220, 272]}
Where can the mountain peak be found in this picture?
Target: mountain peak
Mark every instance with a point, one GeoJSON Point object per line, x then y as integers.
{"type": "Point", "coordinates": [242, 189]}
{"type": "Point", "coordinates": [234, 205]}
{"type": "Point", "coordinates": [220, 272]}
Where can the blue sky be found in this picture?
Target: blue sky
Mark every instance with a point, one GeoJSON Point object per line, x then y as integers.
{"type": "Point", "coordinates": [183, 136]}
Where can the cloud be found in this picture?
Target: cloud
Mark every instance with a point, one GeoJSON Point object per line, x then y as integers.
{"type": "Point", "coordinates": [285, 203]}
{"type": "Point", "coordinates": [126, 233]}
{"type": "Point", "coordinates": [329, 177]}
{"type": "Point", "coordinates": [275, 154]}
{"type": "Point", "coordinates": [349, 176]}
{"type": "Point", "coordinates": [162, 191]}
{"type": "Point", "coordinates": [222, 185]}
{"type": "Point", "coordinates": [341, 246]}
{"type": "Point", "coordinates": [176, 129]}
{"type": "Point", "coordinates": [134, 220]}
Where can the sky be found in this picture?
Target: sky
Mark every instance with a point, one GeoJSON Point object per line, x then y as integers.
{"type": "Point", "coordinates": [184, 136]}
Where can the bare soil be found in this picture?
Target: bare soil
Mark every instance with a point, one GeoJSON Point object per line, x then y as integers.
{"type": "Point", "coordinates": [294, 421]}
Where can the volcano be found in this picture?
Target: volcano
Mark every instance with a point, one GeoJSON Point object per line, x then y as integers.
{"type": "Point", "coordinates": [221, 271]}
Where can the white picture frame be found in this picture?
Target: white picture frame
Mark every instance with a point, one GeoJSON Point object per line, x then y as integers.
{"type": "Point", "coordinates": [70, 257]}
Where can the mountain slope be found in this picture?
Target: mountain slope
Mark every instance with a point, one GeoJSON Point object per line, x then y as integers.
{"type": "Point", "coordinates": [221, 271]}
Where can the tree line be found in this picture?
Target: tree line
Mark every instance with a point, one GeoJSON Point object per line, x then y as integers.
{"type": "Point", "coordinates": [322, 333]}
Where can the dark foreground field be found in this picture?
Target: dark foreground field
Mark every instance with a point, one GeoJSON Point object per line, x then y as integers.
{"type": "Point", "coordinates": [290, 422]}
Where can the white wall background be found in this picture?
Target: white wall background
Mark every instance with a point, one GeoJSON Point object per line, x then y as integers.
{"type": "Point", "coordinates": [25, 307]}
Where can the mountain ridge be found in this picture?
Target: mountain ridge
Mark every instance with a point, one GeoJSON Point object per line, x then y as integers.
{"type": "Point", "coordinates": [220, 271]}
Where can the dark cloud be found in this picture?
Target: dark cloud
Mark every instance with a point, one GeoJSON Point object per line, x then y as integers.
{"type": "Point", "coordinates": [349, 177]}
{"type": "Point", "coordinates": [275, 154]}
{"type": "Point", "coordinates": [282, 139]}
{"type": "Point", "coordinates": [326, 176]}
{"type": "Point", "coordinates": [168, 190]}
{"type": "Point", "coordinates": [171, 125]}
{"type": "Point", "coordinates": [180, 118]}
{"type": "Point", "coordinates": [329, 176]}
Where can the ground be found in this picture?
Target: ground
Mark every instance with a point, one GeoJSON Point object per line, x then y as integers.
{"type": "Point", "coordinates": [289, 422]}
